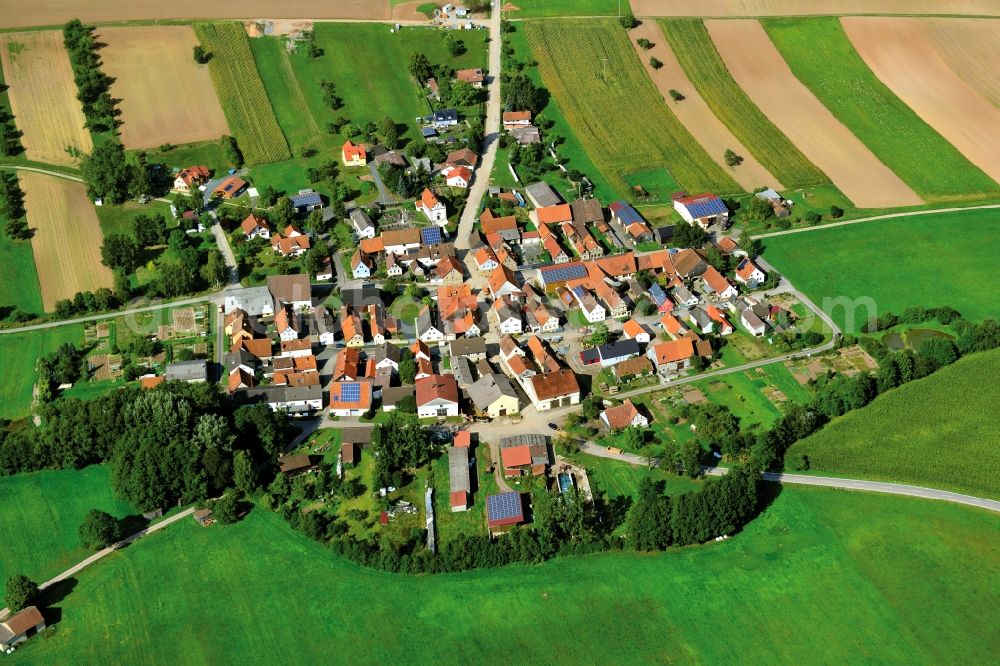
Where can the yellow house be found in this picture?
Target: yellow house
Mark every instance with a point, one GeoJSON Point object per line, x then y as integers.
{"type": "Point", "coordinates": [494, 396]}
{"type": "Point", "coordinates": [354, 155]}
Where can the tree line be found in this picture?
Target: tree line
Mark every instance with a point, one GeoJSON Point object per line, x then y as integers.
{"type": "Point", "coordinates": [93, 85]}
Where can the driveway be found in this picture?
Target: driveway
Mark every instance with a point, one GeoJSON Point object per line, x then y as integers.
{"type": "Point", "coordinates": [385, 197]}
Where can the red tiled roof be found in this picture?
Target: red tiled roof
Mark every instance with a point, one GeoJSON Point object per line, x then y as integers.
{"type": "Point", "coordinates": [715, 280]}
{"type": "Point", "coordinates": [621, 416]}
{"type": "Point", "coordinates": [676, 350]}
{"type": "Point", "coordinates": [428, 199]}
{"type": "Point", "coordinates": [554, 214]}
{"type": "Point", "coordinates": [436, 387]}
{"type": "Point", "coordinates": [516, 456]}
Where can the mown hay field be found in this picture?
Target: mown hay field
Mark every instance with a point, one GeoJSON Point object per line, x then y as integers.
{"type": "Point", "coordinates": [940, 431]}
{"type": "Point", "coordinates": [909, 582]}
{"type": "Point", "coordinates": [42, 96]}
{"type": "Point", "coordinates": [165, 96]}
{"type": "Point", "coordinates": [698, 56]}
{"type": "Point", "coordinates": [242, 93]}
{"type": "Point", "coordinates": [929, 260]}
{"type": "Point", "coordinates": [39, 535]}
{"type": "Point", "coordinates": [599, 83]}
{"type": "Point", "coordinates": [67, 237]}
{"type": "Point", "coordinates": [820, 55]}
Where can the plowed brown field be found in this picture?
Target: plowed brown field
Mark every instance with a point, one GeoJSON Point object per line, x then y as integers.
{"type": "Point", "coordinates": [24, 13]}
{"type": "Point", "coordinates": [971, 47]}
{"type": "Point", "coordinates": [760, 70]}
{"type": "Point", "coordinates": [43, 96]}
{"type": "Point", "coordinates": [812, 7]}
{"type": "Point", "coordinates": [901, 54]}
{"type": "Point", "coordinates": [694, 113]}
{"type": "Point", "coordinates": [165, 97]}
{"type": "Point", "coordinates": [67, 240]}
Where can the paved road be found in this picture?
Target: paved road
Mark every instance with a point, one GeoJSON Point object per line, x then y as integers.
{"type": "Point", "coordinates": [491, 137]}
{"type": "Point", "coordinates": [385, 197]}
{"type": "Point", "coordinates": [73, 570]}
{"type": "Point", "coordinates": [215, 298]}
{"type": "Point", "coordinates": [826, 481]}
{"type": "Point", "coordinates": [227, 254]}
{"type": "Point", "coordinates": [874, 218]}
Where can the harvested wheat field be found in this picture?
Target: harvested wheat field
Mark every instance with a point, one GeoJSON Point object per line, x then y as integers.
{"type": "Point", "coordinates": [43, 96]}
{"type": "Point", "coordinates": [24, 13]}
{"type": "Point", "coordinates": [813, 7]}
{"type": "Point", "coordinates": [165, 97]}
{"type": "Point", "coordinates": [760, 70]}
{"type": "Point", "coordinates": [971, 47]}
{"type": "Point", "coordinates": [901, 54]}
{"type": "Point", "coordinates": [694, 113]}
{"type": "Point", "coordinates": [67, 240]}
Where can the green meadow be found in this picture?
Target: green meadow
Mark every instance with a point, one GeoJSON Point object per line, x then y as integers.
{"type": "Point", "coordinates": [939, 431]}
{"type": "Point", "coordinates": [548, 8]}
{"type": "Point", "coordinates": [18, 352]}
{"type": "Point", "coordinates": [820, 55]}
{"type": "Point", "coordinates": [930, 260]}
{"type": "Point", "coordinates": [19, 280]}
{"type": "Point", "coordinates": [38, 535]}
{"type": "Point", "coordinates": [848, 576]}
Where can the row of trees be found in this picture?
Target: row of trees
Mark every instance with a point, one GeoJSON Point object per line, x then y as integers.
{"type": "Point", "coordinates": [12, 208]}
{"type": "Point", "coordinates": [93, 85]}
{"type": "Point", "coordinates": [10, 136]}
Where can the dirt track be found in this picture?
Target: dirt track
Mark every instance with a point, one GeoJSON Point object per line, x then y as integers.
{"type": "Point", "coordinates": [192, 113]}
{"type": "Point", "coordinates": [24, 13]}
{"type": "Point", "coordinates": [902, 55]}
{"type": "Point", "coordinates": [43, 96]}
{"type": "Point", "coordinates": [760, 70]}
{"type": "Point", "coordinates": [966, 45]}
{"type": "Point", "coordinates": [694, 113]}
{"type": "Point", "coordinates": [67, 240]}
{"type": "Point", "coordinates": [721, 8]}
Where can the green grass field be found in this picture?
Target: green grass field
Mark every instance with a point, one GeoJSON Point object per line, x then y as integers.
{"type": "Point", "coordinates": [19, 286]}
{"type": "Point", "coordinates": [606, 96]}
{"type": "Point", "coordinates": [744, 393]}
{"type": "Point", "coordinates": [701, 62]}
{"type": "Point", "coordinates": [930, 260]}
{"type": "Point", "coordinates": [38, 535]}
{"type": "Point", "coordinates": [549, 8]}
{"type": "Point", "coordinates": [846, 575]}
{"type": "Point", "coordinates": [241, 93]}
{"type": "Point", "coordinates": [939, 431]}
{"type": "Point", "coordinates": [821, 56]}
{"type": "Point", "coordinates": [18, 352]}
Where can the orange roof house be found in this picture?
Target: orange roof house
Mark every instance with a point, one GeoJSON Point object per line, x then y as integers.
{"type": "Point", "coordinates": [554, 214]}
{"type": "Point", "coordinates": [674, 351]}
{"type": "Point", "coordinates": [354, 155]}
{"type": "Point", "coordinates": [194, 175]}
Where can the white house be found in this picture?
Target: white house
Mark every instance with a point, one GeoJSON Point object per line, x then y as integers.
{"type": "Point", "coordinates": [255, 227]}
{"type": "Point", "coordinates": [702, 209]}
{"type": "Point", "coordinates": [437, 396]}
{"type": "Point", "coordinates": [363, 226]}
{"type": "Point", "coordinates": [508, 316]}
{"type": "Point", "coordinates": [325, 271]}
{"type": "Point", "coordinates": [360, 266]}
{"type": "Point", "coordinates": [427, 332]}
{"type": "Point", "coordinates": [283, 324]}
{"type": "Point", "coordinates": [718, 283]}
{"type": "Point", "coordinates": [432, 208]}
{"type": "Point", "coordinates": [552, 389]}
{"type": "Point", "coordinates": [749, 274]}
{"type": "Point", "coordinates": [753, 323]}
{"type": "Point", "coordinates": [457, 176]}
{"type": "Point", "coordinates": [592, 310]}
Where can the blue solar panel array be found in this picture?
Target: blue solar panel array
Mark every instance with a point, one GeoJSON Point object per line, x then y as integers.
{"type": "Point", "coordinates": [350, 392]}
{"type": "Point", "coordinates": [563, 273]}
{"type": "Point", "coordinates": [706, 207]}
{"type": "Point", "coordinates": [504, 505]}
{"type": "Point", "coordinates": [625, 213]}
{"type": "Point", "coordinates": [306, 199]}
{"type": "Point", "coordinates": [580, 291]}
{"type": "Point", "coordinates": [430, 235]}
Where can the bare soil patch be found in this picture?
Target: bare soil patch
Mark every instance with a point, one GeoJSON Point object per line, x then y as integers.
{"type": "Point", "coordinates": [748, 8]}
{"type": "Point", "coordinates": [694, 113]}
{"type": "Point", "coordinates": [67, 239]}
{"type": "Point", "coordinates": [43, 96]}
{"type": "Point", "coordinates": [165, 97]}
{"type": "Point", "coordinates": [24, 13]}
{"type": "Point", "coordinates": [971, 47]}
{"type": "Point", "coordinates": [407, 11]}
{"type": "Point", "coordinates": [901, 54]}
{"type": "Point", "coordinates": [760, 70]}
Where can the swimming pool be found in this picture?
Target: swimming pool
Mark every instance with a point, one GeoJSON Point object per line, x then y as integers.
{"type": "Point", "coordinates": [565, 482]}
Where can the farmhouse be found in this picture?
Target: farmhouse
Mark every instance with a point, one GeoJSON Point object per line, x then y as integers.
{"type": "Point", "coordinates": [623, 416]}
{"type": "Point", "coordinates": [191, 177]}
{"type": "Point", "coordinates": [432, 208]}
{"type": "Point", "coordinates": [437, 396]}
{"type": "Point", "coordinates": [749, 274]}
{"type": "Point", "coordinates": [17, 627]}
{"type": "Point", "coordinates": [494, 396]}
{"type": "Point", "coordinates": [474, 77]}
{"type": "Point", "coordinates": [354, 155]}
{"type": "Point", "coordinates": [292, 290]}
{"type": "Point", "coordinates": [630, 220]}
{"type": "Point", "coordinates": [553, 389]}
{"type": "Point", "coordinates": [459, 486]}
{"type": "Point", "coordinates": [702, 209]}
{"type": "Point", "coordinates": [255, 227]}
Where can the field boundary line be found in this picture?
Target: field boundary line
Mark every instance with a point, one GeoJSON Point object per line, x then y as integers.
{"type": "Point", "coordinates": [887, 216]}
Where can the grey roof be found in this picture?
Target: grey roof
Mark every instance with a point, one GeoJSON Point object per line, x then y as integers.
{"type": "Point", "coordinates": [458, 469]}
{"type": "Point", "coordinates": [542, 195]}
{"type": "Point", "coordinates": [490, 388]}
{"type": "Point", "coordinates": [306, 198]}
{"type": "Point", "coordinates": [282, 394]}
{"type": "Point", "coordinates": [522, 440]}
{"type": "Point", "coordinates": [442, 115]}
{"type": "Point", "coordinates": [424, 320]}
{"type": "Point", "coordinates": [385, 351]}
{"type": "Point", "coordinates": [360, 219]}
{"type": "Point", "coordinates": [462, 370]}
{"type": "Point", "coordinates": [700, 316]}
{"type": "Point", "coordinates": [751, 319]}
{"type": "Point", "coordinates": [467, 346]}
{"type": "Point", "coordinates": [393, 394]}
{"type": "Point", "coordinates": [682, 293]}
{"type": "Point", "coordinates": [769, 195]}
{"type": "Point", "coordinates": [618, 349]}
{"type": "Point", "coordinates": [187, 371]}
{"type": "Point", "coordinates": [355, 435]}
{"type": "Point", "coordinates": [240, 357]}
{"type": "Point", "coordinates": [252, 300]}
{"type": "Point", "coordinates": [361, 296]}
{"type": "Point", "coordinates": [323, 320]}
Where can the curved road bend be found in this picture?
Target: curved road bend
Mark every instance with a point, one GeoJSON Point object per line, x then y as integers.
{"type": "Point", "coordinates": [825, 481]}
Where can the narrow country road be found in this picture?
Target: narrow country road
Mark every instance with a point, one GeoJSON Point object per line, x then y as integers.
{"type": "Point", "coordinates": [76, 568]}
{"type": "Point", "coordinates": [874, 218]}
{"type": "Point", "coordinates": [825, 481]}
{"type": "Point", "coordinates": [112, 315]}
{"type": "Point", "coordinates": [491, 137]}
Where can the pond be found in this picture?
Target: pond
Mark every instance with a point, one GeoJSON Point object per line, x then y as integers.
{"type": "Point", "coordinates": [916, 337]}
{"type": "Point", "coordinates": [893, 341]}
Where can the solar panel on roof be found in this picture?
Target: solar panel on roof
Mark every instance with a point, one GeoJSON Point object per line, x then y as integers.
{"type": "Point", "coordinates": [564, 273]}
{"type": "Point", "coordinates": [350, 392]}
{"type": "Point", "coordinates": [505, 505]}
{"type": "Point", "coordinates": [706, 207]}
{"type": "Point", "coordinates": [430, 235]}
{"type": "Point", "coordinates": [580, 291]}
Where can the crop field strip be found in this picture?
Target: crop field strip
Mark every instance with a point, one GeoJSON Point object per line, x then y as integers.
{"type": "Point", "coordinates": [242, 93]}
{"type": "Point", "coordinates": [928, 260]}
{"type": "Point", "coordinates": [902, 55]}
{"type": "Point", "coordinates": [698, 56]}
{"type": "Point", "coordinates": [151, 64]}
{"type": "Point", "coordinates": [67, 237]}
{"type": "Point", "coordinates": [823, 59]}
{"type": "Point", "coordinates": [613, 108]}
{"type": "Point", "coordinates": [939, 431]}
{"type": "Point", "coordinates": [757, 66]}
{"type": "Point", "coordinates": [757, 8]}
{"type": "Point", "coordinates": [43, 96]}
{"type": "Point", "coordinates": [965, 44]}
{"type": "Point", "coordinates": [694, 113]}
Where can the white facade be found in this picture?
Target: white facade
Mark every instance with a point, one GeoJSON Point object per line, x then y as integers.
{"type": "Point", "coordinates": [437, 407]}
